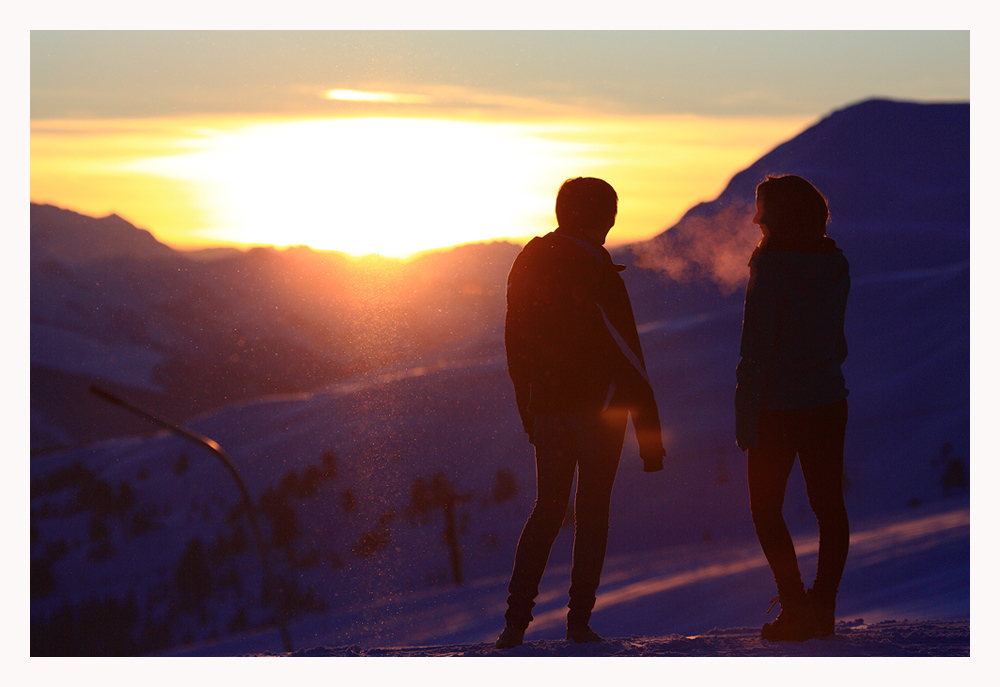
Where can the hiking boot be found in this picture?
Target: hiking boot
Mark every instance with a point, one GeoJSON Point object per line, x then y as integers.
{"type": "Point", "coordinates": [825, 614]}
{"type": "Point", "coordinates": [582, 635]}
{"type": "Point", "coordinates": [510, 637]}
{"type": "Point", "coordinates": [797, 622]}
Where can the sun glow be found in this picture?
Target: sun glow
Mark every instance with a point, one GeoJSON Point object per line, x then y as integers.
{"type": "Point", "coordinates": [372, 185]}
{"type": "Point", "coordinates": [389, 185]}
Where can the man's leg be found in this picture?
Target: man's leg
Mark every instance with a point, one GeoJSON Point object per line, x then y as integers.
{"type": "Point", "coordinates": [555, 464]}
{"type": "Point", "coordinates": [600, 446]}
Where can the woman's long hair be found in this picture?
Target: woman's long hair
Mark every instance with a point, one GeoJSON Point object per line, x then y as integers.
{"type": "Point", "coordinates": [795, 214]}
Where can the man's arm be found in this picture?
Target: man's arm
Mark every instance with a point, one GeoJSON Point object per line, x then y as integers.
{"type": "Point", "coordinates": [624, 347]}
{"type": "Point", "coordinates": [648, 431]}
{"type": "Point", "coordinates": [517, 341]}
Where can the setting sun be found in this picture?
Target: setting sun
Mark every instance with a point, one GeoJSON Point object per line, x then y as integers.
{"type": "Point", "coordinates": [305, 331]}
{"type": "Point", "coordinates": [389, 185]}
{"type": "Point", "coordinates": [400, 142]}
{"type": "Point", "coordinates": [371, 185]}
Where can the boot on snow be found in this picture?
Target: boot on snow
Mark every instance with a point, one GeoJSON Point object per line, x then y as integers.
{"type": "Point", "coordinates": [582, 635]}
{"type": "Point", "coordinates": [510, 637]}
{"type": "Point", "coordinates": [797, 622]}
{"type": "Point", "coordinates": [825, 614]}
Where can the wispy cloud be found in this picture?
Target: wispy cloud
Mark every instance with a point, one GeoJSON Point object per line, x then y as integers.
{"type": "Point", "coordinates": [376, 97]}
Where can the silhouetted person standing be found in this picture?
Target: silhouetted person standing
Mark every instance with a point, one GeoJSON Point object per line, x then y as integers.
{"type": "Point", "coordinates": [574, 357]}
{"type": "Point", "coordinates": [791, 397]}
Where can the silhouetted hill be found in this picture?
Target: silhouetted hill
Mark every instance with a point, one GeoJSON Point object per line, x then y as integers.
{"type": "Point", "coordinates": [896, 175]}
{"type": "Point", "coordinates": [186, 333]}
{"type": "Point", "coordinates": [72, 238]}
{"type": "Point", "coordinates": [145, 539]}
{"type": "Point", "coordinates": [879, 159]}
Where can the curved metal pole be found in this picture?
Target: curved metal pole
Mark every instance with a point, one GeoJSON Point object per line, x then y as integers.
{"type": "Point", "coordinates": [216, 450]}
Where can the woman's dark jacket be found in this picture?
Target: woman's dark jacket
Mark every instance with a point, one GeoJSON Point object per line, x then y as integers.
{"type": "Point", "coordinates": [571, 338]}
{"type": "Point", "coordinates": [793, 343]}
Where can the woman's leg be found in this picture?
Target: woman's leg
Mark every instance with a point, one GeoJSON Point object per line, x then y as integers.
{"type": "Point", "coordinates": [822, 459]}
{"type": "Point", "coordinates": [768, 466]}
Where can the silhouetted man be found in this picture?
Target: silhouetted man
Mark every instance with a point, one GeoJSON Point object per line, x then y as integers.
{"type": "Point", "coordinates": [574, 357]}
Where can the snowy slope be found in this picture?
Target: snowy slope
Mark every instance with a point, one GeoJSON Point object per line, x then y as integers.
{"type": "Point", "coordinates": [186, 334]}
{"type": "Point", "coordinates": [888, 638]}
{"type": "Point", "coordinates": [386, 433]}
{"type": "Point", "coordinates": [141, 545]}
{"type": "Point", "coordinates": [902, 575]}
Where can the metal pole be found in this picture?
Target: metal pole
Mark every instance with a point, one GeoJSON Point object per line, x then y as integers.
{"type": "Point", "coordinates": [269, 579]}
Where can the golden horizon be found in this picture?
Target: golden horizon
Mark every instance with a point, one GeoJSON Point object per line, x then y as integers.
{"type": "Point", "coordinates": [394, 186]}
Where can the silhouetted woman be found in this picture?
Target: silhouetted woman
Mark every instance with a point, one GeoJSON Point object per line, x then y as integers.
{"type": "Point", "coordinates": [791, 399]}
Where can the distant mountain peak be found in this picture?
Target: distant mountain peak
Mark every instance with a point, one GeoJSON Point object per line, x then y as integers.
{"type": "Point", "coordinates": [876, 158]}
{"type": "Point", "coordinates": [73, 238]}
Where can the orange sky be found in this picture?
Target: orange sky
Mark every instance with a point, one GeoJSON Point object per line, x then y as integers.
{"type": "Point", "coordinates": [397, 142]}
{"type": "Point", "coordinates": [388, 185]}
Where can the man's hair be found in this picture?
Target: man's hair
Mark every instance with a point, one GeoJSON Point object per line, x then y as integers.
{"type": "Point", "coordinates": [581, 201]}
{"type": "Point", "coordinates": [794, 210]}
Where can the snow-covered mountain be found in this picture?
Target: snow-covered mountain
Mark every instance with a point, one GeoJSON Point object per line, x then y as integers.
{"type": "Point", "coordinates": [183, 333]}
{"type": "Point", "coordinates": [141, 545]}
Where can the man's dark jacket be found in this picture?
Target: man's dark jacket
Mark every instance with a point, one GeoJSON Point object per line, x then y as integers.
{"type": "Point", "coordinates": [571, 338]}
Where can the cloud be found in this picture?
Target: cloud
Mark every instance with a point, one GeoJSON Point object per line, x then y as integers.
{"type": "Point", "coordinates": [375, 97]}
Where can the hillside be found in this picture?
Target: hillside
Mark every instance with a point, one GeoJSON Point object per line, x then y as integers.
{"type": "Point", "coordinates": [140, 545]}
{"type": "Point", "coordinates": [185, 334]}
{"type": "Point", "coordinates": [893, 638]}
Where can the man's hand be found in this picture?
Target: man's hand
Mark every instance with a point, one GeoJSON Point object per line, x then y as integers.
{"type": "Point", "coordinates": [652, 459]}
{"type": "Point", "coordinates": [652, 466]}
{"type": "Point", "coordinates": [528, 422]}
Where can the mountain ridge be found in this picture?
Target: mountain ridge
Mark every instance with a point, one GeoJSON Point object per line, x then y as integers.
{"type": "Point", "coordinates": [927, 144]}
{"type": "Point", "coordinates": [139, 544]}
{"type": "Point", "coordinates": [266, 320]}
{"type": "Point", "coordinates": [74, 238]}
